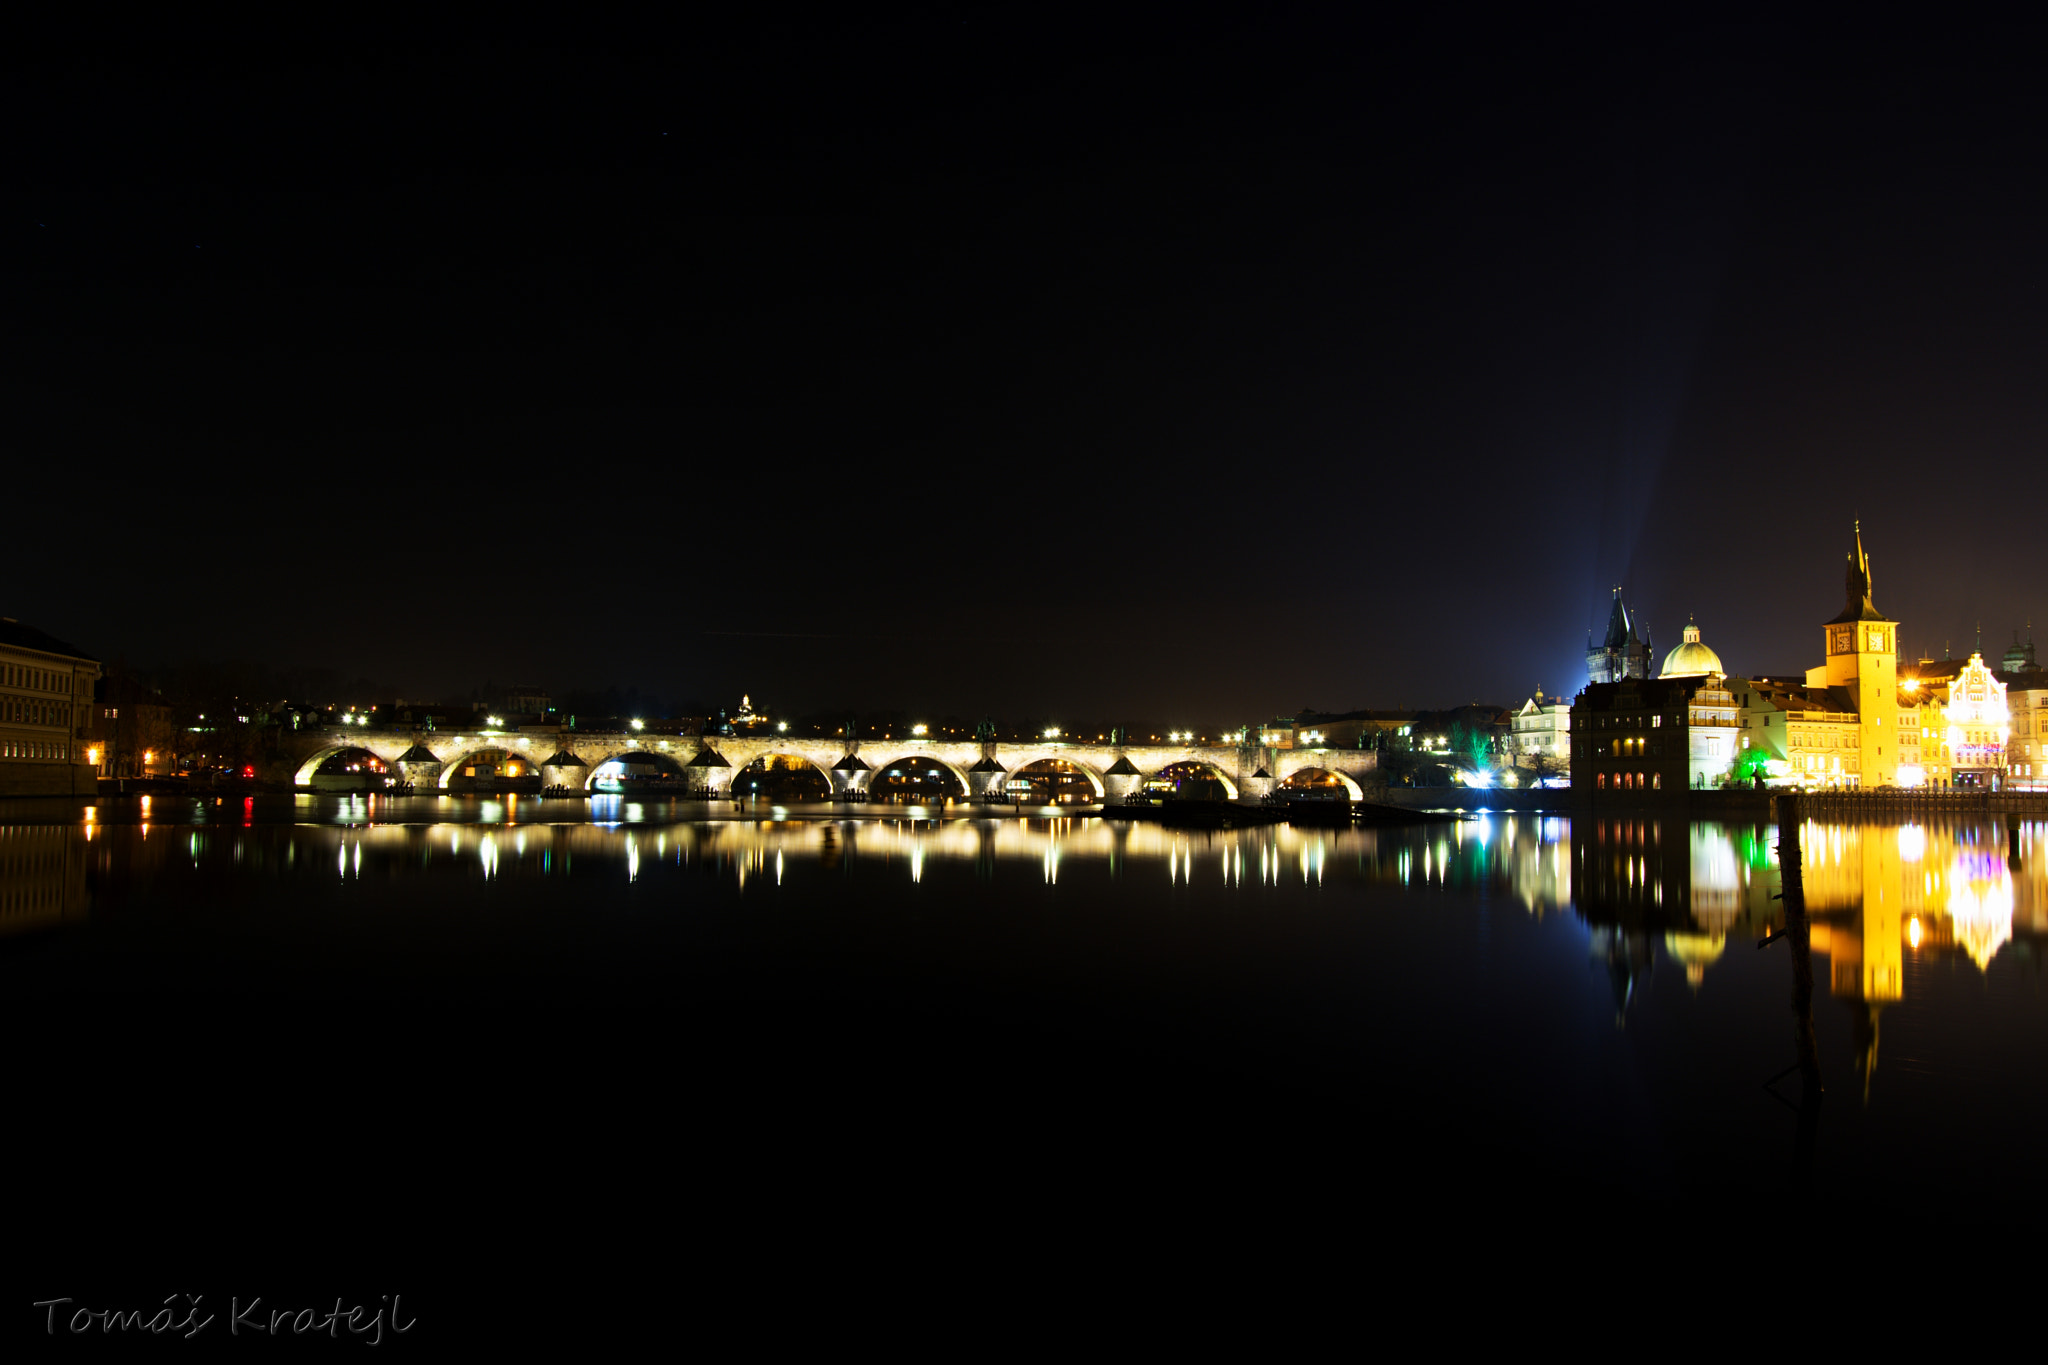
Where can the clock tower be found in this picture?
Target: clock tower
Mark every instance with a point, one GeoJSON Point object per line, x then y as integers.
{"type": "Point", "coordinates": [1863, 659]}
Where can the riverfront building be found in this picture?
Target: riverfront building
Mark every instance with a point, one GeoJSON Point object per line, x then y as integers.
{"type": "Point", "coordinates": [1541, 740]}
{"type": "Point", "coordinates": [1850, 722]}
{"type": "Point", "coordinates": [46, 692]}
{"type": "Point", "coordinates": [1862, 679]}
{"type": "Point", "coordinates": [1710, 717]}
{"type": "Point", "coordinates": [2026, 753]}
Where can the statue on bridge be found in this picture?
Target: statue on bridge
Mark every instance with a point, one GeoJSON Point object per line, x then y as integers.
{"type": "Point", "coordinates": [986, 731]}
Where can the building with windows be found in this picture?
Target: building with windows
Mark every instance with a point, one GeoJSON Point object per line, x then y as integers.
{"type": "Point", "coordinates": [1806, 736]}
{"type": "Point", "coordinates": [1541, 740]}
{"type": "Point", "coordinates": [1710, 713]}
{"type": "Point", "coordinates": [1979, 726]}
{"type": "Point", "coordinates": [46, 703]}
{"type": "Point", "coordinates": [2026, 749]}
{"type": "Point", "coordinates": [133, 729]}
{"type": "Point", "coordinates": [1629, 739]}
{"type": "Point", "coordinates": [1861, 679]}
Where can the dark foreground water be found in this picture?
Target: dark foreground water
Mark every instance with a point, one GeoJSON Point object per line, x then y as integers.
{"type": "Point", "coordinates": [438, 1039]}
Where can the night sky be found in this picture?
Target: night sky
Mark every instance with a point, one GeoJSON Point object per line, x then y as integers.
{"type": "Point", "coordinates": [1025, 365]}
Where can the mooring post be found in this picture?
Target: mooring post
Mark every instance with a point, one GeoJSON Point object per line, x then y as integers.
{"type": "Point", "coordinates": [1792, 883]}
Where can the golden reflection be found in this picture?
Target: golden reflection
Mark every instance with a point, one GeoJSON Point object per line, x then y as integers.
{"type": "Point", "coordinates": [42, 876]}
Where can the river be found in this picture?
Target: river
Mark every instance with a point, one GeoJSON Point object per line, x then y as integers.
{"type": "Point", "coordinates": [461, 1001]}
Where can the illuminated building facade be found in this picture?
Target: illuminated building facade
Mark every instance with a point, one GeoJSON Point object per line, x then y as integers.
{"type": "Point", "coordinates": [1861, 676]}
{"type": "Point", "coordinates": [2026, 751]}
{"type": "Point", "coordinates": [1806, 736]}
{"type": "Point", "coordinates": [1978, 726]}
{"type": "Point", "coordinates": [1710, 711]}
{"type": "Point", "coordinates": [1621, 653]}
{"type": "Point", "coordinates": [1541, 739]}
{"type": "Point", "coordinates": [46, 703]}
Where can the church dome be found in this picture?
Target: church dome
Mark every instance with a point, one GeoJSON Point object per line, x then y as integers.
{"type": "Point", "coordinates": [1691, 659]}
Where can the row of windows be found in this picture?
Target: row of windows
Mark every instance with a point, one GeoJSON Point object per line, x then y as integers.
{"type": "Point", "coordinates": [28, 711]}
{"type": "Point", "coordinates": [1631, 782]}
{"type": "Point", "coordinates": [1631, 722]}
{"type": "Point", "coordinates": [35, 748]}
{"type": "Point", "coordinates": [35, 679]}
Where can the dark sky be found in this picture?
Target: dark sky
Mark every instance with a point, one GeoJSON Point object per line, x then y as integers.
{"type": "Point", "coordinates": [1022, 364]}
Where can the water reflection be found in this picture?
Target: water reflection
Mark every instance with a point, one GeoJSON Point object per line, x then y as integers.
{"type": "Point", "coordinates": [1651, 896]}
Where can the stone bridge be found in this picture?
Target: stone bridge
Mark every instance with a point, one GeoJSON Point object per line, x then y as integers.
{"type": "Point", "coordinates": [571, 758]}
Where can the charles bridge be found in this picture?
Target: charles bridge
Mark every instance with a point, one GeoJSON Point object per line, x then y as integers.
{"type": "Point", "coordinates": [564, 758]}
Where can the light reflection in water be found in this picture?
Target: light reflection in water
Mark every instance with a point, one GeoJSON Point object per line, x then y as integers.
{"type": "Point", "coordinates": [1877, 894]}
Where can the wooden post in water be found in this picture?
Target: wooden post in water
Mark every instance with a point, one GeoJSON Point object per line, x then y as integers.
{"type": "Point", "coordinates": [1792, 886]}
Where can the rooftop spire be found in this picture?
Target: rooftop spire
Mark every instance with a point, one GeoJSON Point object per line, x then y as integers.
{"type": "Point", "coordinates": [1859, 607]}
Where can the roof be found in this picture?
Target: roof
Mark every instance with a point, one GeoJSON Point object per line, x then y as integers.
{"type": "Point", "coordinates": [418, 753]}
{"type": "Point", "coordinates": [13, 632]}
{"type": "Point", "coordinates": [1620, 630]}
{"type": "Point", "coordinates": [1635, 694]}
{"type": "Point", "coordinates": [707, 757]}
{"type": "Point", "coordinates": [850, 764]}
{"type": "Point", "coordinates": [1121, 768]}
{"type": "Point", "coordinates": [1789, 697]}
{"type": "Point", "coordinates": [988, 765]}
{"type": "Point", "coordinates": [564, 759]}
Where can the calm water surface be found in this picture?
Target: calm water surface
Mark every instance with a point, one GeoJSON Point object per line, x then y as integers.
{"type": "Point", "coordinates": [933, 1008]}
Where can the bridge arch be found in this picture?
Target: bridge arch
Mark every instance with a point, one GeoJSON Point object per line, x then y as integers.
{"type": "Point", "coordinates": [1310, 779]}
{"type": "Point", "coordinates": [344, 767]}
{"type": "Point", "coordinates": [747, 781]}
{"type": "Point", "coordinates": [518, 763]}
{"type": "Point", "coordinates": [303, 775]}
{"type": "Point", "coordinates": [920, 762]}
{"type": "Point", "coordinates": [667, 766]}
{"type": "Point", "coordinates": [1196, 767]}
{"type": "Point", "coordinates": [1047, 761]}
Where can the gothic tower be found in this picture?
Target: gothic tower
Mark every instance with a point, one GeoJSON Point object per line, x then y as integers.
{"type": "Point", "coordinates": [1863, 660]}
{"type": "Point", "coordinates": [1620, 653]}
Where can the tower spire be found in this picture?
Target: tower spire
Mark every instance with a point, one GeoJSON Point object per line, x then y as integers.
{"type": "Point", "coordinates": [1859, 607]}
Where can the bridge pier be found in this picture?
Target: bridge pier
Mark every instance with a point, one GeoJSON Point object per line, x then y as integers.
{"type": "Point", "coordinates": [986, 777]}
{"type": "Point", "coordinates": [1121, 778]}
{"type": "Point", "coordinates": [709, 772]}
{"type": "Point", "coordinates": [564, 769]}
{"type": "Point", "coordinates": [850, 776]}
